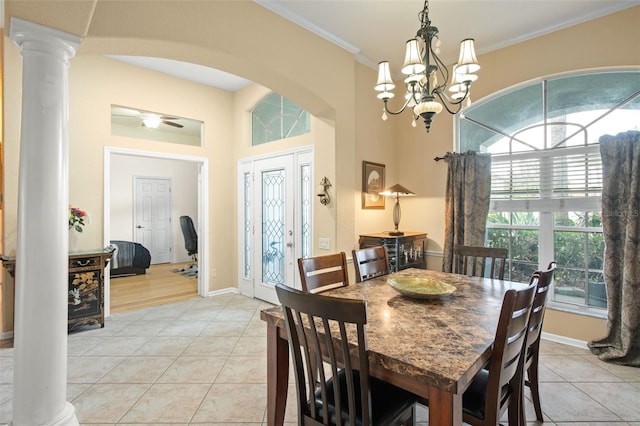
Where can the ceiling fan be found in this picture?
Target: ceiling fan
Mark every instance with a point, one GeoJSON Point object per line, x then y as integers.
{"type": "Point", "coordinates": [148, 119]}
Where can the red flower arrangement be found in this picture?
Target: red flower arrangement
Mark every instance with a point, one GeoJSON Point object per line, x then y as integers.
{"type": "Point", "coordinates": [77, 218]}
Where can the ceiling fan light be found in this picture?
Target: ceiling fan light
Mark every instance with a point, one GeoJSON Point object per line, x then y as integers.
{"type": "Point", "coordinates": [467, 61]}
{"type": "Point", "coordinates": [384, 83]}
{"type": "Point", "coordinates": [151, 122]}
{"type": "Point", "coordinates": [412, 59]}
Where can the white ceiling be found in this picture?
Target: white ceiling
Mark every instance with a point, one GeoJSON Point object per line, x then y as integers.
{"type": "Point", "coordinates": [376, 30]}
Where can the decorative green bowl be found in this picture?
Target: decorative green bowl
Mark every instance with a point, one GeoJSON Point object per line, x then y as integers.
{"type": "Point", "coordinates": [421, 288]}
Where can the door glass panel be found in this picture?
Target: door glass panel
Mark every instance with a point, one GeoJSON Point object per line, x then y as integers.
{"type": "Point", "coordinates": [273, 227]}
{"type": "Point", "coordinates": [247, 224]}
{"type": "Point", "coordinates": [305, 209]}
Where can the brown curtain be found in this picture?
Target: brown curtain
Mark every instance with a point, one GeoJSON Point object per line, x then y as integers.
{"type": "Point", "coordinates": [621, 228]}
{"type": "Point", "coordinates": [467, 202]}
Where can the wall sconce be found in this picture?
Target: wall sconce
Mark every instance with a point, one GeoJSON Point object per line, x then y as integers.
{"type": "Point", "coordinates": [325, 198]}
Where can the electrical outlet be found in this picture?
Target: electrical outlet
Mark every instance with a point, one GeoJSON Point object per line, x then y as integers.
{"type": "Point", "coordinates": [324, 243]}
{"type": "Point", "coordinates": [213, 272]}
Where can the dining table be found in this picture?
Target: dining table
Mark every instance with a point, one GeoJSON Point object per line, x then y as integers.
{"type": "Point", "coordinates": [433, 347]}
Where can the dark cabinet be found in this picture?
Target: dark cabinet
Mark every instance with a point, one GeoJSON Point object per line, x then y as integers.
{"type": "Point", "coordinates": [405, 251]}
{"type": "Point", "coordinates": [86, 286]}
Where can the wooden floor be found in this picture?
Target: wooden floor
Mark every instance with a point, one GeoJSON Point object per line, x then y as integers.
{"type": "Point", "coordinates": [158, 286]}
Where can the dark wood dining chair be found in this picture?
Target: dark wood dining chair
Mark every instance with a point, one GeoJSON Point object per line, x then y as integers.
{"type": "Point", "coordinates": [499, 386]}
{"type": "Point", "coordinates": [532, 347]}
{"type": "Point", "coordinates": [318, 324]}
{"type": "Point", "coordinates": [473, 260]}
{"type": "Point", "coordinates": [370, 262]}
{"type": "Point", "coordinates": [321, 273]}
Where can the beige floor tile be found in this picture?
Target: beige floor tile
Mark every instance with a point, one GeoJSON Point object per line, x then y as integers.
{"type": "Point", "coordinates": [244, 370]}
{"type": "Point", "coordinates": [623, 399]}
{"type": "Point", "coordinates": [188, 369]}
{"type": "Point", "coordinates": [235, 315]}
{"type": "Point", "coordinates": [79, 345]}
{"type": "Point", "coordinates": [6, 410]}
{"type": "Point", "coordinates": [142, 329]}
{"type": "Point", "coordinates": [250, 346]}
{"type": "Point", "coordinates": [571, 404]}
{"type": "Point", "coordinates": [256, 327]}
{"type": "Point", "coordinates": [138, 370]}
{"type": "Point", "coordinates": [6, 375]}
{"type": "Point", "coordinates": [577, 368]}
{"type": "Point", "coordinates": [211, 346]}
{"type": "Point", "coordinates": [206, 315]}
{"type": "Point", "coordinates": [6, 392]}
{"type": "Point", "coordinates": [107, 403]}
{"type": "Point", "coordinates": [167, 403]}
{"type": "Point", "coordinates": [225, 328]}
{"type": "Point", "coordinates": [117, 346]}
{"type": "Point", "coordinates": [90, 369]}
{"type": "Point", "coordinates": [184, 328]}
{"type": "Point", "coordinates": [164, 346]}
{"type": "Point", "coordinates": [233, 403]}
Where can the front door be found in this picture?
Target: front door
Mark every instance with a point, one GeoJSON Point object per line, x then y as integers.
{"type": "Point", "coordinates": [282, 221]}
{"type": "Point", "coordinates": [152, 217]}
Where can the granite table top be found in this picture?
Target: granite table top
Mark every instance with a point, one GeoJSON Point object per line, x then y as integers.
{"type": "Point", "coordinates": [442, 342]}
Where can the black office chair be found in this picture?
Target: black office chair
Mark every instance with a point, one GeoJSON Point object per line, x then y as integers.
{"type": "Point", "coordinates": [190, 237]}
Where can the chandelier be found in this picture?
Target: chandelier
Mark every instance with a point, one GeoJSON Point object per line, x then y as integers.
{"type": "Point", "coordinates": [427, 75]}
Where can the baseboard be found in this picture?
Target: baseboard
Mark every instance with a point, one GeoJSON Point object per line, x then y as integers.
{"type": "Point", "coordinates": [6, 335]}
{"type": "Point", "coordinates": [228, 290]}
{"type": "Point", "coordinates": [565, 340]}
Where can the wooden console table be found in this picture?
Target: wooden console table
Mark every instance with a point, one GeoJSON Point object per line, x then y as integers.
{"type": "Point", "coordinates": [86, 285]}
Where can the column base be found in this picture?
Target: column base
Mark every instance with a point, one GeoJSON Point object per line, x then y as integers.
{"type": "Point", "coordinates": [66, 418]}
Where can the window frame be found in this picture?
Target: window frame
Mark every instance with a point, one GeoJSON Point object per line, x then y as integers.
{"type": "Point", "coordinates": [546, 205]}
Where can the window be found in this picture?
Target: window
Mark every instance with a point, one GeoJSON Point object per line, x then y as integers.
{"type": "Point", "coordinates": [547, 174]}
{"type": "Point", "coordinates": [275, 117]}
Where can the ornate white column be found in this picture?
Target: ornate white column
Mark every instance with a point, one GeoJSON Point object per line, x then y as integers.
{"type": "Point", "coordinates": [40, 332]}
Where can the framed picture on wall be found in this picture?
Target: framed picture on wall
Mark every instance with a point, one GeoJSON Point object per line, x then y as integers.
{"type": "Point", "coordinates": [372, 184]}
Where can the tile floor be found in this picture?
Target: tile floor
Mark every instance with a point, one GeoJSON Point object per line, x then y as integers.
{"type": "Point", "coordinates": [202, 362]}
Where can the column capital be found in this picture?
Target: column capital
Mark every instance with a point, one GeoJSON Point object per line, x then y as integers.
{"type": "Point", "coordinates": [22, 31]}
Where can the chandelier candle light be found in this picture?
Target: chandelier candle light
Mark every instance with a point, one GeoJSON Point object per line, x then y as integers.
{"type": "Point", "coordinates": [427, 75]}
{"type": "Point", "coordinates": [397, 191]}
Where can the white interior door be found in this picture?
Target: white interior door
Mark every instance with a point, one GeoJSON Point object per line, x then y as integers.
{"type": "Point", "coordinates": [152, 216]}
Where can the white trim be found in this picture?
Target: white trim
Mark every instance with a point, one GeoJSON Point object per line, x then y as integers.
{"type": "Point", "coordinates": [203, 212]}
{"type": "Point", "coordinates": [564, 340]}
{"type": "Point", "coordinates": [278, 9]}
{"type": "Point", "coordinates": [228, 290]}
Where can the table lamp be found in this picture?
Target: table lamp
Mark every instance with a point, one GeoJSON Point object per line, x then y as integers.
{"type": "Point", "coordinates": [397, 191]}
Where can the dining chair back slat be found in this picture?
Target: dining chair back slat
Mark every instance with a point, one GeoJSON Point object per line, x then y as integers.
{"type": "Point", "coordinates": [475, 260]}
{"type": "Point", "coordinates": [498, 387]}
{"type": "Point", "coordinates": [370, 262]}
{"type": "Point", "coordinates": [321, 273]}
{"type": "Point", "coordinates": [532, 349]}
{"type": "Point", "coordinates": [334, 330]}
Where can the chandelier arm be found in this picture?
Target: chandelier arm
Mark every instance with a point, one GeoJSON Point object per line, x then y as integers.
{"type": "Point", "coordinates": [400, 111]}
{"type": "Point", "coordinates": [445, 102]}
{"type": "Point", "coordinates": [443, 96]}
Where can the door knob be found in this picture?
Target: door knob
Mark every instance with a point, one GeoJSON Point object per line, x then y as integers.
{"type": "Point", "coordinates": [139, 226]}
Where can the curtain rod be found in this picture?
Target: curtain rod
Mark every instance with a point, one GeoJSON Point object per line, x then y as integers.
{"type": "Point", "coordinates": [440, 158]}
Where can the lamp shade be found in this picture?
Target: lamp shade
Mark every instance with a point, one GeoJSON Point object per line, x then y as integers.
{"type": "Point", "coordinates": [467, 61]}
{"type": "Point", "coordinates": [384, 83]}
{"type": "Point", "coordinates": [412, 59]}
{"type": "Point", "coordinates": [397, 190]}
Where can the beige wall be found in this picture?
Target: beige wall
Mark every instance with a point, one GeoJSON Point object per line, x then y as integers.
{"type": "Point", "coordinates": [319, 76]}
